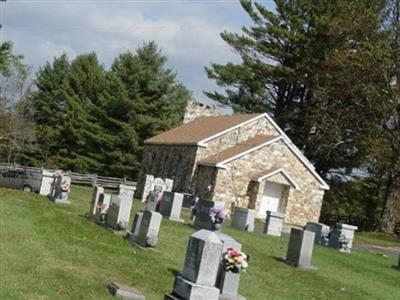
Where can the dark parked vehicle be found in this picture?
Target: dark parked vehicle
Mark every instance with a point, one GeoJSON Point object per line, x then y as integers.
{"type": "Point", "coordinates": [29, 181]}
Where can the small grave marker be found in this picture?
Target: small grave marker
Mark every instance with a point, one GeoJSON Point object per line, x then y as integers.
{"type": "Point", "coordinates": [274, 223]}
{"type": "Point", "coordinates": [243, 219]}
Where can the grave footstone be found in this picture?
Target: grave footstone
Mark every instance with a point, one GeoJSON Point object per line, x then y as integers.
{"type": "Point", "coordinates": [203, 219]}
{"type": "Point", "coordinates": [274, 223]}
{"type": "Point", "coordinates": [228, 282]}
{"type": "Point", "coordinates": [300, 248]}
{"type": "Point", "coordinates": [342, 236]}
{"type": "Point", "coordinates": [47, 180]}
{"type": "Point", "coordinates": [171, 206]}
{"type": "Point", "coordinates": [119, 212]}
{"type": "Point", "coordinates": [243, 219]}
{"type": "Point", "coordinates": [197, 280]}
{"type": "Point", "coordinates": [321, 232]}
{"type": "Point", "coordinates": [125, 292]}
{"type": "Point", "coordinates": [148, 229]}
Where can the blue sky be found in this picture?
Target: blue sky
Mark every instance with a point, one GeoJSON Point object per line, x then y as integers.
{"type": "Point", "coordinates": [186, 30]}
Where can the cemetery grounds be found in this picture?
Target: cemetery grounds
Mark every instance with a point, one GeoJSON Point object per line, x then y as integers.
{"type": "Point", "coordinates": [50, 251]}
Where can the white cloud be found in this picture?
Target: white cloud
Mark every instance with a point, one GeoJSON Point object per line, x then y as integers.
{"type": "Point", "coordinates": [188, 32]}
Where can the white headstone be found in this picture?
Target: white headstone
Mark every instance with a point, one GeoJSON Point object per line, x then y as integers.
{"type": "Point", "coordinates": [119, 212]}
{"type": "Point", "coordinates": [171, 206]}
{"type": "Point", "coordinates": [97, 191]}
{"type": "Point", "coordinates": [274, 223]}
{"type": "Point", "coordinates": [342, 236]}
{"type": "Point", "coordinates": [47, 180]}
{"type": "Point", "coordinates": [149, 229]}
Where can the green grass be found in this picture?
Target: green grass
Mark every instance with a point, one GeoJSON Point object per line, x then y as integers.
{"type": "Point", "coordinates": [50, 251]}
{"type": "Point", "coordinates": [378, 239]}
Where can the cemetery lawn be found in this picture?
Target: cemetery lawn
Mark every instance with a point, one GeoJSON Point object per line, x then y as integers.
{"type": "Point", "coordinates": [50, 251]}
{"type": "Point", "coordinates": [378, 239]}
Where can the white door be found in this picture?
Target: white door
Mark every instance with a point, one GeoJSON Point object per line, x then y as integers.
{"type": "Point", "coordinates": [270, 199]}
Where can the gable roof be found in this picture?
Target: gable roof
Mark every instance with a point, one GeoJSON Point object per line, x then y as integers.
{"type": "Point", "coordinates": [227, 155]}
{"type": "Point", "coordinates": [203, 128]}
{"type": "Point", "coordinates": [271, 172]}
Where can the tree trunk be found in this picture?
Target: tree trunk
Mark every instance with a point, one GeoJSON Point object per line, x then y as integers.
{"type": "Point", "coordinates": [391, 212]}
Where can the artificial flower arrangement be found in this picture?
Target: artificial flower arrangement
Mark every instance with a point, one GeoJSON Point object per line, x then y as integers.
{"type": "Point", "coordinates": [235, 261]}
{"type": "Point", "coordinates": [218, 215]}
{"type": "Point", "coordinates": [65, 185]}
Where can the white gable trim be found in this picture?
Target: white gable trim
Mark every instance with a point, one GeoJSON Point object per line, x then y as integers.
{"type": "Point", "coordinates": [203, 143]}
{"type": "Point", "coordinates": [298, 154]}
{"type": "Point", "coordinates": [281, 170]}
{"type": "Point", "coordinates": [284, 137]}
{"type": "Point", "coordinates": [222, 163]}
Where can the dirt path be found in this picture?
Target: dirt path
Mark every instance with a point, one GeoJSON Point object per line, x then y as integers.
{"type": "Point", "coordinates": [377, 249]}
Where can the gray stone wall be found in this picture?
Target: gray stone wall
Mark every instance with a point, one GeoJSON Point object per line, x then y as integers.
{"type": "Point", "coordinates": [234, 183]}
{"type": "Point", "coordinates": [205, 177]}
{"type": "Point", "coordinates": [168, 161]}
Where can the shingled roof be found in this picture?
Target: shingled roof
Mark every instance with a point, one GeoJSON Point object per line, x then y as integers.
{"type": "Point", "coordinates": [200, 129]}
{"type": "Point", "coordinates": [238, 149]}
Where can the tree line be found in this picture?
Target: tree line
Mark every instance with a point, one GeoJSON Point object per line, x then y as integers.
{"type": "Point", "coordinates": [327, 71]}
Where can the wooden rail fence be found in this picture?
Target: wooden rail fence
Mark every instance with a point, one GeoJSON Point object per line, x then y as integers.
{"type": "Point", "coordinates": [77, 178]}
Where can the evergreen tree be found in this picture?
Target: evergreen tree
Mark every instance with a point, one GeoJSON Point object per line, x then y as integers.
{"type": "Point", "coordinates": [309, 64]}
{"type": "Point", "coordinates": [156, 101]}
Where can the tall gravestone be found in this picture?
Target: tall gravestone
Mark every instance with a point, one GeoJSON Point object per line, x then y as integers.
{"type": "Point", "coordinates": [243, 219]}
{"type": "Point", "coordinates": [171, 206]}
{"type": "Point", "coordinates": [203, 219]}
{"type": "Point", "coordinates": [300, 248]}
{"type": "Point", "coordinates": [148, 186]}
{"type": "Point", "coordinates": [197, 280]}
{"type": "Point", "coordinates": [97, 192]}
{"type": "Point", "coordinates": [321, 232]}
{"type": "Point", "coordinates": [228, 282]}
{"type": "Point", "coordinates": [342, 236]}
{"type": "Point", "coordinates": [119, 212]}
{"type": "Point", "coordinates": [148, 230]}
{"type": "Point", "coordinates": [47, 180]}
{"type": "Point", "coordinates": [274, 223]}
{"type": "Point", "coordinates": [126, 191]}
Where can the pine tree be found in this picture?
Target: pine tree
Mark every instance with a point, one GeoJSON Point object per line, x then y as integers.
{"type": "Point", "coordinates": [309, 64]}
{"type": "Point", "coordinates": [156, 99]}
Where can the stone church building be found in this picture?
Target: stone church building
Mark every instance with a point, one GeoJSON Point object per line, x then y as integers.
{"type": "Point", "coordinates": [243, 160]}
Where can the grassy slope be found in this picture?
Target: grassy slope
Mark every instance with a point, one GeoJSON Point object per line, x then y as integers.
{"type": "Point", "coordinates": [51, 251]}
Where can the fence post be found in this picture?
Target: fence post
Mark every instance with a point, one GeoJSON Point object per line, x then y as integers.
{"type": "Point", "coordinates": [124, 180]}
{"type": "Point", "coordinates": [94, 181]}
